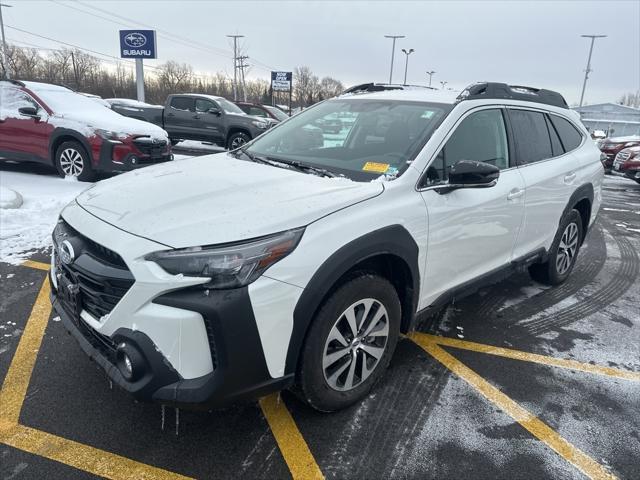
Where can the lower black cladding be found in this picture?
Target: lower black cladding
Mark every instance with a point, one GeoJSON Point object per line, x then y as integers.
{"type": "Point", "coordinates": [241, 371]}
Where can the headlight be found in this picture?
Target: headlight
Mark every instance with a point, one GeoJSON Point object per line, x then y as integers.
{"type": "Point", "coordinates": [110, 135]}
{"type": "Point", "coordinates": [229, 266]}
{"type": "Point", "coordinates": [261, 125]}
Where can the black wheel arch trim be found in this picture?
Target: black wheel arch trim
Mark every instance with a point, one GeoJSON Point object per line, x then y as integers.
{"type": "Point", "coordinates": [393, 240]}
{"type": "Point", "coordinates": [66, 132]}
{"type": "Point", "coordinates": [583, 192]}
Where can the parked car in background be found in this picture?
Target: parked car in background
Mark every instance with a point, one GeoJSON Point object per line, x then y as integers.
{"type": "Point", "coordinates": [195, 116]}
{"type": "Point", "coordinates": [260, 110]}
{"type": "Point", "coordinates": [627, 163]}
{"type": "Point", "coordinates": [612, 146]}
{"type": "Point", "coordinates": [76, 134]}
{"type": "Point", "coordinates": [135, 109]}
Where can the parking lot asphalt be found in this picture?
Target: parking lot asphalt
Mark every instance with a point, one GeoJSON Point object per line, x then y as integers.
{"type": "Point", "coordinates": [515, 381]}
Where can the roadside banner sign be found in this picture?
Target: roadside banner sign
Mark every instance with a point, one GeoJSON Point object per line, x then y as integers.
{"type": "Point", "coordinates": [138, 43]}
{"type": "Point", "coordinates": [281, 81]}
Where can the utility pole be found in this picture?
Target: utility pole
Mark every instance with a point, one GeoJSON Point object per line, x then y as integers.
{"type": "Point", "coordinates": [393, 51]}
{"type": "Point", "coordinates": [430, 75]}
{"type": "Point", "coordinates": [406, 63]}
{"type": "Point", "coordinates": [235, 65]}
{"type": "Point", "coordinates": [588, 70]}
{"type": "Point", "coordinates": [5, 63]}
{"type": "Point", "coordinates": [241, 67]}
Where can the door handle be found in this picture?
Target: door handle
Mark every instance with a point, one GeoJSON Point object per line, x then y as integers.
{"type": "Point", "coordinates": [170, 115]}
{"type": "Point", "coordinates": [515, 193]}
{"type": "Point", "coordinates": [570, 177]}
{"type": "Point", "coordinates": [197, 117]}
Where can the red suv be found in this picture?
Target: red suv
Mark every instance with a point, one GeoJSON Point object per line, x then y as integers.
{"type": "Point", "coordinates": [76, 134]}
{"type": "Point", "coordinates": [612, 146]}
{"type": "Point", "coordinates": [627, 162]}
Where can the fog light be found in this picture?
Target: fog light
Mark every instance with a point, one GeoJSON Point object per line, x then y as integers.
{"type": "Point", "coordinates": [130, 362]}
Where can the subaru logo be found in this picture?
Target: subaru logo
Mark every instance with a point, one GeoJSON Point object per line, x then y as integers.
{"type": "Point", "coordinates": [66, 252]}
{"type": "Point", "coordinates": [135, 40]}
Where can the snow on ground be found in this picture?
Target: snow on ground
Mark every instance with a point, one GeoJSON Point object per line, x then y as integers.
{"type": "Point", "coordinates": [28, 228]}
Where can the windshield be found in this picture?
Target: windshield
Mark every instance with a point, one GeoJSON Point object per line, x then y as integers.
{"type": "Point", "coordinates": [276, 112]}
{"type": "Point", "coordinates": [229, 107]}
{"type": "Point", "coordinates": [360, 139]}
{"type": "Point", "coordinates": [66, 101]}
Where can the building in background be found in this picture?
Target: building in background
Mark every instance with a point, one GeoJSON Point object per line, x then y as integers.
{"type": "Point", "coordinates": [614, 119]}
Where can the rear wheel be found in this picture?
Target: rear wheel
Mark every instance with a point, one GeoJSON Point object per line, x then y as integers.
{"type": "Point", "coordinates": [563, 252]}
{"type": "Point", "coordinates": [350, 343]}
{"type": "Point", "coordinates": [237, 140]}
{"type": "Point", "coordinates": [72, 160]}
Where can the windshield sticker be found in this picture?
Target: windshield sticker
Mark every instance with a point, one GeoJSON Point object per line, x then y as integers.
{"type": "Point", "coordinates": [375, 167]}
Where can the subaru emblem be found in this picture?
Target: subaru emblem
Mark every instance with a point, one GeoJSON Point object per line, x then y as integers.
{"type": "Point", "coordinates": [66, 252]}
{"type": "Point", "coordinates": [135, 40]}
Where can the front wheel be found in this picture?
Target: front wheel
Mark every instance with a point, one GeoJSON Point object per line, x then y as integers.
{"type": "Point", "coordinates": [72, 160]}
{"type": "Point", "coordinates": [350, 343]}
{"type": "Point", "coordinates": [237, 140]}
{"type": "Point", "coordinates": [563, 252]}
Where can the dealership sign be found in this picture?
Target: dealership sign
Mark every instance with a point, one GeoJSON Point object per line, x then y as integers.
{"type": "Point", "coordinates": [138, 43]}
{"type": "Point", "coordinates": [281, 81]}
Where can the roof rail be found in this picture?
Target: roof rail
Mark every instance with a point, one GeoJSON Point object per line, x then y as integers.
{"type": "Point", "coordinates": [381, 87]}
{"type": "Point", "coordinates": [485, 90]}
{"type": "Point", "coordinates": [10, 80]}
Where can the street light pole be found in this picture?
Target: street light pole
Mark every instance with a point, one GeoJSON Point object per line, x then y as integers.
{"type": "Point", "coordinates": [443, 84]}
{"type": "Point", "coordinates": [586, 72]}
{"type": "Point", "coordinates": [393, 51]}
{"type": "Point", "coordinates": [406, 63]}
{"type": "Point", "coordinates": [430, 75]}
{"type": "Point", "coordinates": [4, 44]}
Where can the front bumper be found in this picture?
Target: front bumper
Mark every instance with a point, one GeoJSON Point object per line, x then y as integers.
{"type": "Point", "coordinates": [240, 371]}
{"type": "Point", "coordinates": [124, 157]}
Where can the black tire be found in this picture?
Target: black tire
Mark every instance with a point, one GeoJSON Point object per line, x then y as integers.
{"type": "Point", "coordinates": [237, 140]}
{"type": "Point", "coordinates": [73, 160]}
{"type": "Point", "coordinates": [550, 272]}
{"type": "Point", "coordinates": [313, 385]}
{"type": "Point", "coordinates": [174, 141]}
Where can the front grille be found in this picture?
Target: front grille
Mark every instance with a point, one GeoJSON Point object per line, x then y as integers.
{"type": "Point", "coordinates": [101, 274]}
{"type": "Point", "coordinates": [623, 156]}
{"type": "Point", "coordinates": [154, 148]}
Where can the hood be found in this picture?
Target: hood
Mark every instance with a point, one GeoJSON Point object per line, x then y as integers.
{"type": "Point", "coordinates": [218, 199]}
{"type": "Point", "coordinates": [87, 122]}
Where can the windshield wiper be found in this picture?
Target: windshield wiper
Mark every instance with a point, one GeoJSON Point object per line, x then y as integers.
{"type": "Point", "coordinates": [303, 167]}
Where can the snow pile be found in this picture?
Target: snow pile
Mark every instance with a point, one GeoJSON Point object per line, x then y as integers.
{"type": "Point", "coordinates": [28, 228]}
{"type": "Point", "coordinates": [9, 198]}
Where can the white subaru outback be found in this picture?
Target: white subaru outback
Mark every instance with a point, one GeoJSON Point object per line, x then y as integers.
{"type": "Point", "coordinates": [299, 258]}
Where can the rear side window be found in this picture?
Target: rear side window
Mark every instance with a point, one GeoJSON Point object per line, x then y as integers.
{"type": "Point", "coordinates": [531, 136]}
{"type": "Point", "coordinates": [183, 103]}
{"type": "Point", "coordinates": [571, 138]}
{"type": "Point", "coordinates": [556, 145]}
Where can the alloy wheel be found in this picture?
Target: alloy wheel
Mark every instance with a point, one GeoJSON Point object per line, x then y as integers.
{"type": "Point", "coordinates": [237, 142]}
{"type": "Point", "coordinates": [355, 345]}
{"type": "Point", "coordinates": [71, 162]}
{"type": "Point", "coordinates": [567, 248]}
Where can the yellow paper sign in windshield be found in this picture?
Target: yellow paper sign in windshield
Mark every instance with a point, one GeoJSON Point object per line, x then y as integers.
{"type": "Point", "coordinates": [375, 167]}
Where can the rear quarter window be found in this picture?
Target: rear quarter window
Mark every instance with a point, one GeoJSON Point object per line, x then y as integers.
{"type": "Point", "coordinates": [570, 137]}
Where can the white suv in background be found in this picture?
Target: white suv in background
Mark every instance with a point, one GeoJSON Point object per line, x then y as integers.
{"type": "Point", "coordinates": [296, 262]}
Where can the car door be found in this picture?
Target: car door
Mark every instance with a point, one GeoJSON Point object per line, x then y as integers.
{"type": "Point", "coordinates": [472, 231]}
{"type": "Point", "coordinates": [178, 117]}
{"type": "Point", "coordinates": [207, 123]}
{"type": "Point", "coordinates": [23, 137]}
{"type": "Point", "coordinates": [549, 176]}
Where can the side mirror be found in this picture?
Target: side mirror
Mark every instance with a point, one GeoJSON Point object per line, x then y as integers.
{"type": "Point", "coordinates": [29, 112]}
{"type": "Point", "coordinates": [214, 111]}
{"type": "Point", "coordinates": [471, 174]}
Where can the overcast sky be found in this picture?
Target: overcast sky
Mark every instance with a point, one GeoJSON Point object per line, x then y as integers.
{"type": "Point", "coordinates": [519, 42]}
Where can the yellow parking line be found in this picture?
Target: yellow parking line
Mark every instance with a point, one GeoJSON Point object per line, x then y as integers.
{"type": "Point", "coordinates": [531, 357]}
{"type": "Point", "coordinates": [294, 449]}
{"type": "Point", "coordinates": [16, 382]}
{"type": "Point", "coordinates": [34, 264]}
{"type": "Point", "coordinates": [80, 456]}
{"type": "Point", "coordinates": [530, 422]}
